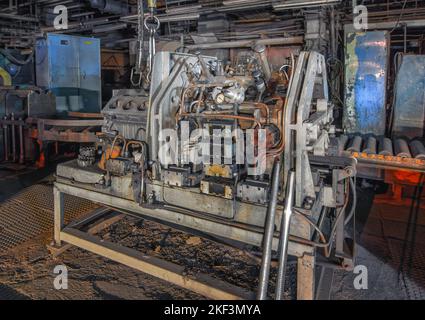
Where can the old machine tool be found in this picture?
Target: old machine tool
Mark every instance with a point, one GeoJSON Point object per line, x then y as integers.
{"type": "Point", "coordinates": [223, 152]}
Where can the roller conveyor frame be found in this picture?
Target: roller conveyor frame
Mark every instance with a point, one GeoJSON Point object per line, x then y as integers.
{"type": "Point", "coordinates": [379, 152]}
{"type": "Point", "coordinates": [387, 162]}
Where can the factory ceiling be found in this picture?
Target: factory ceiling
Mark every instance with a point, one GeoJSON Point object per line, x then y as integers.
{"type": "Point", "coordinates": [115, 21]}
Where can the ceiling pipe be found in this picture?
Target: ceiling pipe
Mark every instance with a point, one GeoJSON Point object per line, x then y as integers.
{"type": "Point", "coordinates": [110, 6]}
{"type": "Point", "coordinates": [247, 43]}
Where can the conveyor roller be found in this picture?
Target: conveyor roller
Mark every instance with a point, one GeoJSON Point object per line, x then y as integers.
{"type": "Point", "coordinates": [384, 152]}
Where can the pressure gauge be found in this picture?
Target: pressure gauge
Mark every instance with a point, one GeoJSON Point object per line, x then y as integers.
{"type": "Point", "coordinates": [219, 99]}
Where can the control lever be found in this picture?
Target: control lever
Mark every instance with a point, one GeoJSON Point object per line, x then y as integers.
{"type": "Point", "coordinates": [284, 235]}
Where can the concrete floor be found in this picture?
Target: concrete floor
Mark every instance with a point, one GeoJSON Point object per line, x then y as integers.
{"type": "Point", "coordinates": [392, 250]}
{"type": "Point", "coordinates": [26, 271]}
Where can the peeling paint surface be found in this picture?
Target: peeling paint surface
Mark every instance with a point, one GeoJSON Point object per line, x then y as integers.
{"type": "Point", "coordinates": [366, 63]}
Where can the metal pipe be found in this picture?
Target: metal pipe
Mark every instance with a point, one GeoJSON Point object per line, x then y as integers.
{"type": "Point", "coordinates": [263, 281]}
{"type": "Point", "coordinates": [386, 147]}
{"type": "Point", "coordinates": [418, 149]}
{"type": "Point", "coordinates": [284, 236]}
{"type": "Point", "coordinates": [356, 144]}
{"type": "Point", "coordinates": [109, 27]}
{"type": "Point", "coordinates": [260, 49]}
{"type": "Point", "coordinates": [140, 35]}
{"type": "Point", "coordinates": [370, 146]}
{"type": "Point", "coordinates": [21, 142]}
{"type": "Point", "coordinates": [18, 17]}
{"type": "Point", "coordinates": [6, 140]}
{"type": "Point", "coordinates": [279, 6]}
{"type": "Point", "coordinates": [402, 149]}
{"type": "Point", "coordinates": [247, 43]}
{"type": "Point", "coordinates": [13, 138]}
{"type": "Point", "coordinates": [342, 142]}
{"type": "Point", "coordinates": [333, 33]}
{"type": "Point", "coordinates": [110, 6]}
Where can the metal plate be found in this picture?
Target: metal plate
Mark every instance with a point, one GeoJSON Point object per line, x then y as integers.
{"type": "Point", "coordinates": [366, 61]}
{"type": "Point", "coordinates": [30, 213]}
{"type": "Point", "coordinates": [409, 110]}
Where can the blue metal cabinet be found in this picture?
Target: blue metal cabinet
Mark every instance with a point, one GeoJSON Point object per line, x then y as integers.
{"type": "Point", "coordinates": [90, 72]}
{"type": "Point", "coordinates": [70, 67]}
{"type": "Point", "coordinates": [366, 64]}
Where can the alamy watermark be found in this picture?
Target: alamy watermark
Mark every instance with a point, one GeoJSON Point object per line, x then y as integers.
{"type": "Point", "coordinates": [61, 20]}
{"type": "Point", "coordinates": [220, 146]}
{"type": "Point", "coordinates": [61, 280]}
{"type": "Point", "coordinates": [360, 18]}
{"type": "Point", "coordinates": [361, 281]}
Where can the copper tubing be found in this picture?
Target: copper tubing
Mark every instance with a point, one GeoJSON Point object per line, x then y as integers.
{"type": "Point", "coordinates": [279, 149]}
{"type": "Point", "coordinates": [193, 86]}
{"type": "Point", "coordinates": [259, 105]}
{"type": "Point", "coordinates": [120, 137]}
{"type": "Point", "coordinates": [279, 105]}
{"type": "Point", "coordinates": [128, 143]}
{"type": "Point", "coordinates": [181, 113]}
{"type": "Point", "coordinates": [224, 116]}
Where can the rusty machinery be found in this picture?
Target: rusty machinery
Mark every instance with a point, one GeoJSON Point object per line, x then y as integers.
{"type": "Point", "coordinates": [29, 123]}
{"type": "Point", "coordinates": [281, 199]}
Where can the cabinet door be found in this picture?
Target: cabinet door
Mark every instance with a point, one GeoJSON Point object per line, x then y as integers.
{"type": "Point", "coordinates": [63, 71]}
{"type": "Point", "coordinates": [89, 73]}
{"type": "Point", "coordinates": [63, 54]}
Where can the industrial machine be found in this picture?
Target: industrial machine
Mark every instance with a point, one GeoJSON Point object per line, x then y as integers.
{"type": "Point", "coordinates": [29, 123]}
{"type": "Point", "coordinates": [219, 151]}
{"type": "Point", "coordinates": [69, 66]}
{"type": "Point", "coordinates": [63, 107]}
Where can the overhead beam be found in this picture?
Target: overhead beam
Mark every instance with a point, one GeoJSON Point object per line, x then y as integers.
{"type": "Point", "coordinates": [247, 43]}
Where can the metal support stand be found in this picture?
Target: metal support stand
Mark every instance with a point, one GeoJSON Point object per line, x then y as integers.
{"type": "Point", "coordinates": [202, 284]}
{"type": "Point", "coordinates": [59, 212]}
{"type": "Point", "coordinates": [305, 277]}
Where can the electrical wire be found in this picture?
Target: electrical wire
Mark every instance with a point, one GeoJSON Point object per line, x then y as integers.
{"type": "Point", "coordinates": [15, 60]}
{"type": "Point", "coordinates": [327, 245]}
{"type": "Point", "coordinates": [399, 18]}
{"type": "Point", "coordinates": [354, 202]}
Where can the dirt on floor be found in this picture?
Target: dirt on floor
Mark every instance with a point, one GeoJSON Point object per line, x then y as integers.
{"type": "Point", "coordinates": [390, 239]}
{"type": "Point", "coordinates": [27, 271]}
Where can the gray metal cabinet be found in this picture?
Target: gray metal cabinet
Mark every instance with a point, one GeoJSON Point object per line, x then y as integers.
{"type": "Point", "coordinates": [70, 67]}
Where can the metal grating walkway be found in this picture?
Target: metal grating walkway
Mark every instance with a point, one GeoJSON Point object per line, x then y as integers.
{"type": "Point", "coordinates": [8, 293]}
{"type": "Point", "coordinates": [411, 268]}
{"type": "Point", "coordinates": [29, 214]}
